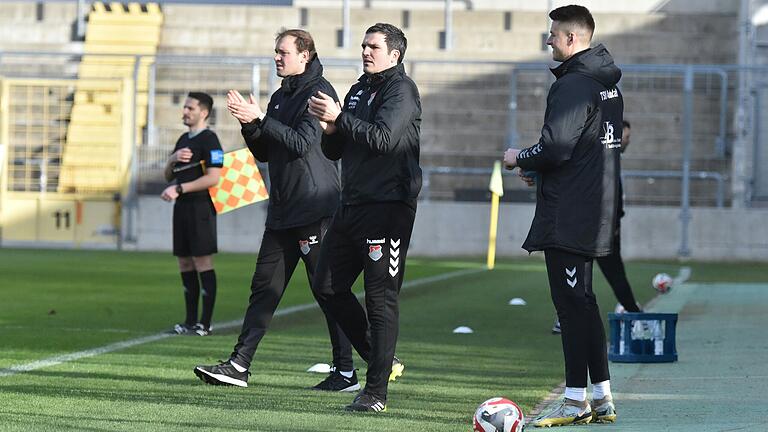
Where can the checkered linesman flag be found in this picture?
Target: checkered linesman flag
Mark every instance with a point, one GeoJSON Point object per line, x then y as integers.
{"type": "Point", "coordinates": [240, 183]}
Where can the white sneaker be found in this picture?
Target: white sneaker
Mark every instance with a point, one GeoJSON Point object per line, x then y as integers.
{"type": "Point", "coordinates": [200, 330]}
{"type": "Point", "coordinates": [568, 412]}
{"type": "Point", "coordinates": [556, 327]}
{"type": "Point", "coordinates": [604, 410]}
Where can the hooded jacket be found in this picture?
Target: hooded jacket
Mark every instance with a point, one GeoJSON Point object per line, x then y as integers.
{"type": "Point", "coordinates": [577, 158]}
{"type": "Point", "coordinates": [304, 184]}
{"type": "Point", "coordinates": [377, 138]}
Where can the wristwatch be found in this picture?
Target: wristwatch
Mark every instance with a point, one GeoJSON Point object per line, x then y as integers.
{"type": "Point", "coordinates": [179, 189]}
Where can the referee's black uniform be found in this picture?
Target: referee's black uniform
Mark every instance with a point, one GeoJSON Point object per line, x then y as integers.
{"type": "Point", "coordinates": [194, 217]}
{"type": "Point", "coordinates": [304, 193]}
{"type": "Point", "coordinates": [377, 140]}
{"type": "Point", "coordinates": [194, 222]}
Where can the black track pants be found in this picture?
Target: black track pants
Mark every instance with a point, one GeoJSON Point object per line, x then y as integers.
{"type": "Point", "coordinates": [612, 267]}
{"type": "Point", "coordinates": [278, 256]}
{"type": "Point", "coordinates": [583, 335]}
{"type": "Point", "coordinates": [373, 239]}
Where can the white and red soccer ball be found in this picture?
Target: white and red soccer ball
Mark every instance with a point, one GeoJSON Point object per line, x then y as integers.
{"type": "Point", "coordinates": [498, 415]}
{"type": "Point", "coordinates": [662, 283]}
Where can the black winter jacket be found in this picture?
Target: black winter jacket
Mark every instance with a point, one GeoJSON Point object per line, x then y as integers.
{"type": "Point", "coordinates": [377, 139]}
{"type": "Point", "coordinates": [577, 158]}
{"type": "Point", "coordinates": [304, 184]}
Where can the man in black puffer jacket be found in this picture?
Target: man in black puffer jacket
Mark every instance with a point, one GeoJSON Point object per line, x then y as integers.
{"type": "Point", "coordinates": [304, 194]}
{"type": "Point", "coordinates": [376, 136]}
{"type": "Point", "coordinates": [577, 161]}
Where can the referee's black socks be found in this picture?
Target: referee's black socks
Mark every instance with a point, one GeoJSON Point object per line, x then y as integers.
{"type": "Point", "coordinates": [191, 294]}
{"type": "Point", "coordinates": [208, 280]}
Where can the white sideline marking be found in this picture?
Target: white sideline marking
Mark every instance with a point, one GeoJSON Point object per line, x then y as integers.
{"type": "Point", "coordinates": [68, 329]}
{"type": "Point", "coordinates": [56, 360]}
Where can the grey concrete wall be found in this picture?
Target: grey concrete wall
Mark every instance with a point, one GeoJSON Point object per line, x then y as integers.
{"type": "Point", "coordinates": [239, 231]}
{"type": "Point", "coordinates": [460, 229]}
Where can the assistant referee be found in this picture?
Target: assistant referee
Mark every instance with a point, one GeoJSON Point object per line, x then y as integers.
{"type": "Point", "coordinates": [193, 167]}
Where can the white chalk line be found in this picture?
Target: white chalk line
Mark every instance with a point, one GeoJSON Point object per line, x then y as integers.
{"type": "Point", "coordinates": [65, 358]}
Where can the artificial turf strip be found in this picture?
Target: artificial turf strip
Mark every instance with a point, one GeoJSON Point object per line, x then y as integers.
{"type": "Point", "coordinates": [104, 297]}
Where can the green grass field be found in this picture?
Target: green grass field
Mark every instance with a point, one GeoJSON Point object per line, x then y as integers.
{"type": "Point", "coordinates": [61, 302]}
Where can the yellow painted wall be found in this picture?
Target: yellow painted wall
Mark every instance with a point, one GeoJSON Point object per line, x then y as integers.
{"type": "Point", "coordinates": [69, 220]}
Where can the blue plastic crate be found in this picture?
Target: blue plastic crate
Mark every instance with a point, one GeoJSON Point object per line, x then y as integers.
{"type": "Point", "coordinates": [642, 337]}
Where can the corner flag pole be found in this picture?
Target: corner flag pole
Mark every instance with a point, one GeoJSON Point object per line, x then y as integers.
{"type": "Point", "coordinates": [497, 190]}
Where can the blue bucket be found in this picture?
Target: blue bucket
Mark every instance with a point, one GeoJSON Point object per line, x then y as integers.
{"type": "Point", "coordinates": [642, 337]}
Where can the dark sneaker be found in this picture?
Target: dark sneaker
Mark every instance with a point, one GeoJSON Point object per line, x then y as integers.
{"type": "Point", "coordinates": [603, 410]}
{"type": "Point", "coordinates": [200, 330]}
{"type": "Point", "coordinates": [336, 382]}
{"type": "Point", "coordinates": [367, 403]}
{"type": "Point", "coordinates": [397, 369]}
{"type": "Point", "coordinates": [222, 374]}
{"type": "Point", "coordinates": [556, 327]}
{"type": "Point", "coordinates": [181, 329]}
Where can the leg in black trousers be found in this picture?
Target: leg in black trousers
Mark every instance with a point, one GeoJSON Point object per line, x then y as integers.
{"type": "Point", "coordinates": [278, 256]}
{"type": "Point", "coordinates": [275, 264]}
{"type": "Point", "coordinates": [583, 335]}
{"type": "Point", "coordinates": [374, 238]}
{"type": "Point", "coordinates": [612, 267]}
{"type": "Point", "coordinates": [309, 246]}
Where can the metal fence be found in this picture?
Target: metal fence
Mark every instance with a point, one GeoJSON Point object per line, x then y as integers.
{"type": "Point", "coordinates": [692, 142]}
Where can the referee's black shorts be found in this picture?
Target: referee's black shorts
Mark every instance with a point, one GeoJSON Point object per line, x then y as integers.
{"type": "Point", "coordinates": [194, 227]}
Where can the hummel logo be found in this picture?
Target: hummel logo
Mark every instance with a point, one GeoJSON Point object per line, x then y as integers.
{"type": "Point", "coordinates": [571, 274]}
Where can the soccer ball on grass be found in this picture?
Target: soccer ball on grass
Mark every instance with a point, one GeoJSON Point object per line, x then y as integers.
{"type": "Point", "coordinates": [498, 415]}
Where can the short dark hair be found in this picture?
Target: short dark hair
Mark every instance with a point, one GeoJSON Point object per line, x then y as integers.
{"type": "Point", "coordinates": [204, 99]}
{"type": "Point", "coordinates": [626, 124]}
{"type": "Point", "coordinates": [393, 36]}
{"type": "Point", "coordinates": [574, 14]}
{"type": "Point", "coordinates": [304, 41]}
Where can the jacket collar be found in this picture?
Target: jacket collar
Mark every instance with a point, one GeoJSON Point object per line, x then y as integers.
{"type": "Point", "coordinates": [563, 68]}
{"type": "Point", "coordinates": [313, 71]}
{"type": "Point", "coordinates": [373, 80]}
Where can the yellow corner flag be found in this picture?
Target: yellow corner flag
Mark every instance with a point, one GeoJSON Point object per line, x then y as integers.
{"type": "Point", "coordinates": [497, 190]}
{"type": "Point", "coordinates": [240, 183]}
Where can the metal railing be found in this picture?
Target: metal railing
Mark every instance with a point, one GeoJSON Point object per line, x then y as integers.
{"type": "Point", "coordinates": [683, 80]}
{"type": "Point", "coordinates": [429, 172]}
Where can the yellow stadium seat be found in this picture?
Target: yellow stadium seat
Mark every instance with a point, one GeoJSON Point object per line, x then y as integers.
{"type": "Point", "coordinates": [98, 142]}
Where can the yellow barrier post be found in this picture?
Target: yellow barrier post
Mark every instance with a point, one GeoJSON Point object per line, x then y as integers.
{"type": "Point", "coordinates": [497, 190]}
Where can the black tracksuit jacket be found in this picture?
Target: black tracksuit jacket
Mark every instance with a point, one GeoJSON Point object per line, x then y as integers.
{"type": "Point", "coordinates": [304, 184]}
{"type": "Point", "coordinates": [577, 158]}
{"type": "Point", "coordinates": [377, 139]}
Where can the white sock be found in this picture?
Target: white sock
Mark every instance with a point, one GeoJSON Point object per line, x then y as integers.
{"type": "Point", "coordinates": [347, 374]}
{"type": "Point", "coordinates": [576, 393]}
{"type": "Point", "coordinates": [237, 366]}
{"type": "Point", "coordinates": [601, 390]}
